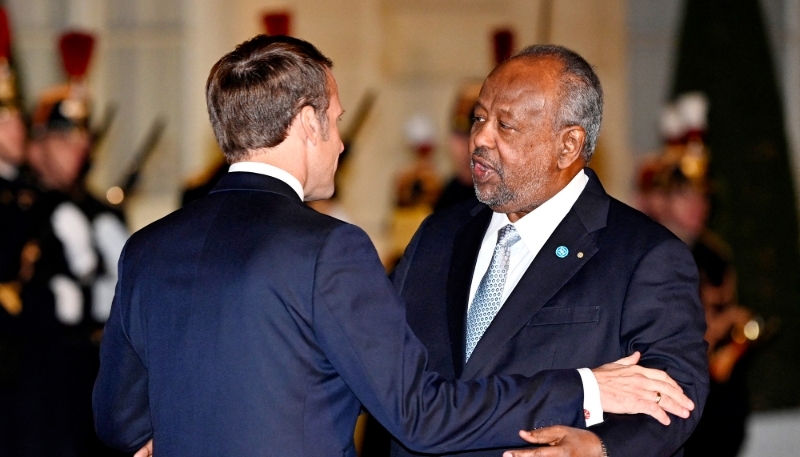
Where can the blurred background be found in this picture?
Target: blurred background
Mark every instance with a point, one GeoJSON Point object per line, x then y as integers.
{"type": "Point", "coordinates": [407, 68]}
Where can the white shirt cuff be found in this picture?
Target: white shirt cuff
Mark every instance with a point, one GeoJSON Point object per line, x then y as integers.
{"type": "Point", "coordinates": [592, 409]}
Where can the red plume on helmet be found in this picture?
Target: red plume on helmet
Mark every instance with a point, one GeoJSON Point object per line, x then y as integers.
{"type": "Point", "coordinates": [66, 107]}
{"type": "Point", "coordinates": [277, 23]}
{"type": "Point", "coordinates": [5, 35]}
{"type": "Point", "coordinates": [76, 51]}
{"type": "Point", "coordinates": [503, 40]}
{"type": "Point", "coordinates": [8, 89]}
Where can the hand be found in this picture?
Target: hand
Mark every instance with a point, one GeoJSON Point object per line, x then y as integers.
{"type": "Point", "coordinates": [626, 388]}
{"type": "Point", "coordinates": [146, 451]}
{"type": "Point", "coordinates": [563, 441]}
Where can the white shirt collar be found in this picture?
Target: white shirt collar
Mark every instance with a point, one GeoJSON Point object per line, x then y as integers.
{"type": "Point", "coordinates": [536, 227]}
{"type": "Point", "coordinates": [270, 170]}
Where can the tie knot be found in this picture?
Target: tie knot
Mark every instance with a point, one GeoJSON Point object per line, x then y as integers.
{"type": "Point", "coordinates": [507, 236]}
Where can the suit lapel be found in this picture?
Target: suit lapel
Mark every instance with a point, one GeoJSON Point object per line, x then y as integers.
{"type": "Point", "coordinates": [547, 274]}
{"type": "Point", "coordinates": [466, 246]}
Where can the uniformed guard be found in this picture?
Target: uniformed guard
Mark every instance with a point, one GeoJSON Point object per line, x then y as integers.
{"type": "Point", "coordinates": [16, 186]}
{"type": "Point", "coordinates": [68, 272]}
{"type": "Point", "coordinates": [675, 188]}
{"type": "Point", "coordinates": [17, 197]}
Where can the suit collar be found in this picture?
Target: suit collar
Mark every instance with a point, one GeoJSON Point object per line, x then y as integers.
{"type": "Point", "coordinates": [270, 170]}
{"type": "Point", "coordinates": [546, 275]}
{"type": "Point", "coordinates": [592, 206]}
{"type": "Point", "coordinates": [242, 180]}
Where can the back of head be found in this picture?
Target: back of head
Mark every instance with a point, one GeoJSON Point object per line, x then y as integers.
{"type": "Point", "coordinates": [254, 92]}
{"type": "Point", "coordinates": [581, 95]}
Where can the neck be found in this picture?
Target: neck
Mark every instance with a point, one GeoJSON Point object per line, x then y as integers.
{"type": "Point", "coordinates": [560, 181]}
{"type": "Point", "coordinates": [287, 156]}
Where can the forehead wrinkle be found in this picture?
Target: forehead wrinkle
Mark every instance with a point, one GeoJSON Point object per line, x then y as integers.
{"type": "Point", "coordinates": [522, 104]}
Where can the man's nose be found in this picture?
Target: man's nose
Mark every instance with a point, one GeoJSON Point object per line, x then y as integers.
{"type": "Point", "coordinates": [481, 136]}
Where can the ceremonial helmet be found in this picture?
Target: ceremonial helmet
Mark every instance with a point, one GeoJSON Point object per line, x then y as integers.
{"type": "Point", "coordinates": [684, 159]}
{"type": "Point", "coordinates": [9, 95]}
{"type": "Point", "coordinates": [66, 107]}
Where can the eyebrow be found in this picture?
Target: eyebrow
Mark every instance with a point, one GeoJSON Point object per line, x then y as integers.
{"type": "Point", "coordinates": [508, 113]}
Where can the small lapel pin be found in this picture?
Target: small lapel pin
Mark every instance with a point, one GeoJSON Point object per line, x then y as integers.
{"type": "Point", "coordinates": [580, 255]}
{"type": "Point", "coordinates": [562, 252]}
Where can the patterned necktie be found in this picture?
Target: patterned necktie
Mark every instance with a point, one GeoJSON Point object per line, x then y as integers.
{"type": "Point", "coordinates": [488, 297]}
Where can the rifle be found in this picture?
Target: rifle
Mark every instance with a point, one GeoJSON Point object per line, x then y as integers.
{"type": "Point", "coordinates": [363, 110]}
{"type": "Point", "coordinates": [99, 133]}
{"type": "Point", "coordinates": [130, 179]}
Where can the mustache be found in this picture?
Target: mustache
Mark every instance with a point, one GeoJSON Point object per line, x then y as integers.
{"type": "Point", "coordinates": [483, 153]}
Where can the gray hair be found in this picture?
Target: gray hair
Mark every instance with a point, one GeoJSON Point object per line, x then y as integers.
{"type": "Point", "coordinates": [581, 94]}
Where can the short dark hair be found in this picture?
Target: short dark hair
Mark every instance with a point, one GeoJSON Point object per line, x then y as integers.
{"type": "Point", "coordinates": [581, 93]}
{"type": "Point", "coordinates": [254, 92]}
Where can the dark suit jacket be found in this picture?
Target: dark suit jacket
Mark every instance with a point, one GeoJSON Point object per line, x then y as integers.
{"type": "Point", "coordinates": [633, 288]}
{"type": "Point", "coordinates": [247, 324]}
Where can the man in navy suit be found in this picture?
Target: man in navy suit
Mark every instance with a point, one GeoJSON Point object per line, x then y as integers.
{"type": "Point", "coordinates": [587, 280]}
{"type": "Point", "coordinates": [248, 324]}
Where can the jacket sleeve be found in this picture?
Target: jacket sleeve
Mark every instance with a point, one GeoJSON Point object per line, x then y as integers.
{"type": "Point", "coordinates": [359, 321]}
{"type": "Point", "coordinates": [663, 319]}
{"type": "Point", "coordinates": [120, 400]}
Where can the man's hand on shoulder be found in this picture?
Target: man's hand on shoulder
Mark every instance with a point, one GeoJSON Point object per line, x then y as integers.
{"type": "Point", "coordinates": [626, 388]}
{"type": "Point", "coordinates": [563, 442]}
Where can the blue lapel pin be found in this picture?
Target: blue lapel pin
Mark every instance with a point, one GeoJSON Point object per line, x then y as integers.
{"type": "Point", "coordinates": [562, 252]}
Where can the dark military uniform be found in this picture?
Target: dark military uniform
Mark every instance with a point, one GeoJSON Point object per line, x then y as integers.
{"type": "Point", "coordinates": [66, 302]}
{"type": "Point", "coordinates": [17, 198]}
{"type": "Point", "coordinates": [722, 429]}
{"type": "Point", "coordinates": [16, 201]}
{"type": "Point", "coordinates": [67, 272]}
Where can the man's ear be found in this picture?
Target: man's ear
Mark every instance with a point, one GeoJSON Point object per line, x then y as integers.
{"type": "Point", "coordinates": [310, 127]}
{"type": "Point", "coordinates": [571, 141]}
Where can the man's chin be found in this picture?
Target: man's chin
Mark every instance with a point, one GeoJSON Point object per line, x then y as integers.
{"type": "Point", "coordinates": [499, 199]}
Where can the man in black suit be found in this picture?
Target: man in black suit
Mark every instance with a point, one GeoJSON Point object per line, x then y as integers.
{"type": "Point", "coordinates": [583, 279]}
{"type": "Point", "coordinates": [248, 324]}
